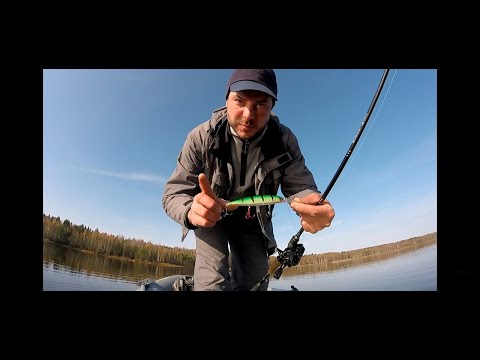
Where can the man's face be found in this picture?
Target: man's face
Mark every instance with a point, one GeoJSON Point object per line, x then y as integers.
{"type": "Point", "coordinates": [248, 112]}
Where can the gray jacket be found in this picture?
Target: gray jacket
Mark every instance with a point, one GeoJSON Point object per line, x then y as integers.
{"type": "Point", "coordinates": [207, 150]}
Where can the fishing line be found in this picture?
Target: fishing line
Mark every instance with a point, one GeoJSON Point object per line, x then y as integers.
{"type": "Point", "coordinates": [292, 254]}
{"type": "Point", "coordinates": [295, 238]}
{"type": "Point", "coordinates": [290, 215]}
{"type": "Point", "coordinates": [373, 121]}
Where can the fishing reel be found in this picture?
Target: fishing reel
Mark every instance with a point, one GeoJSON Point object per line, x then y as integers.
{"type": "Point", "coordinates": [289, 257]}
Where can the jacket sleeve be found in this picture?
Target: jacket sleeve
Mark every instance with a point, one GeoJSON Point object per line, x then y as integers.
{"type": "Point", "coordinates": [183, 183]}
{"type": "Point", "coordinates": [298, 180]}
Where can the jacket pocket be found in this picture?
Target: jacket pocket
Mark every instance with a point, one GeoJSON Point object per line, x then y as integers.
{"type": "Point", "coordinates": [219, 184]}
{"type": "Point", "coordinates": [272, 180]}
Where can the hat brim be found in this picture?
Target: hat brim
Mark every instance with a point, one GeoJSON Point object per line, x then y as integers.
{"type": "Point", "coordinates": [251, 85]}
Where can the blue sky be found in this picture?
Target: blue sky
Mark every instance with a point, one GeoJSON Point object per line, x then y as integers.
{"type": "Point", "coordinates": [111, 139]}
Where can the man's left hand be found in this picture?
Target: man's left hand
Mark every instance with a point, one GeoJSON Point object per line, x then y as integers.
{"type": "Point", "coordinates": [313, 216]}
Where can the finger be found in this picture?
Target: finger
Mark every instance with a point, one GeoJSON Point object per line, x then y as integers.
{"type": "Point", "coordinates": [232, 207]}
{"type": "Point", "coordinates": [205, 212]}
{"type": "Point", "coordinates": [207, 215]}
{"type": "Point", "coordinates": [199, 220]}
{"type": "Point", "coordinates": [308, 228]}
{"type": "Point", "coordinates": [205, 186]}
{"type": "Point", "coordinates": [218, 204]}
{"type": "Point", "coordinates": [299, 207]}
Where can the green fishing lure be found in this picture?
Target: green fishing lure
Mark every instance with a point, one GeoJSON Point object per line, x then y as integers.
{"type": "Point", "coordinates": [258, 200]}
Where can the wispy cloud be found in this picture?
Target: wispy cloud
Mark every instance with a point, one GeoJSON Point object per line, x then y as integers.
{"type": "Point", "coordinates": [126, 176]}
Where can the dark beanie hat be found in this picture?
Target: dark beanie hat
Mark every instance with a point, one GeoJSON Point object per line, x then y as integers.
{"type": "Point", "coordinates": [253, 79]}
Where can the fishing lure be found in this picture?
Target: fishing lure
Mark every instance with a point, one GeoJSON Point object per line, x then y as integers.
{"type": "Point", "coordinates": [258, 200]}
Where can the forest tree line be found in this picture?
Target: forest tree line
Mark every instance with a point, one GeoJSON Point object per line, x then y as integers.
{"type": "Point", "coordinates": [333, 261]}
{"type": "Point", "coordinates": [82, 237]}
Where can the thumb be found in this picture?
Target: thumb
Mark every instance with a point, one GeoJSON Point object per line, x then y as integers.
{"type": "Point", "coordinates": [205, 187]}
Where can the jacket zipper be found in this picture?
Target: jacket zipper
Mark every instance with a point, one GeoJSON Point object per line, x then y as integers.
{"type": "Point", "coordinates": [244, 162]}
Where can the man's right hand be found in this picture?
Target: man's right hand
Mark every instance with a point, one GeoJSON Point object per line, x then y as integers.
{"type": "Point", "coordinates": [206, 209]}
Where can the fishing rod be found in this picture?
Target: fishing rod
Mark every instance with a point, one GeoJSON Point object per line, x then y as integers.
{"type": "Point", "coordinates": [293, 253]}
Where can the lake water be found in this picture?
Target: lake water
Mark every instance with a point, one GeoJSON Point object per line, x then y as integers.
{"type": "Point", "coordinates": [414, 271]}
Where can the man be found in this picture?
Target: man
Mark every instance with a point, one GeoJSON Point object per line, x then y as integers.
{"type": "Point", "coordinates": [243, 150]}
